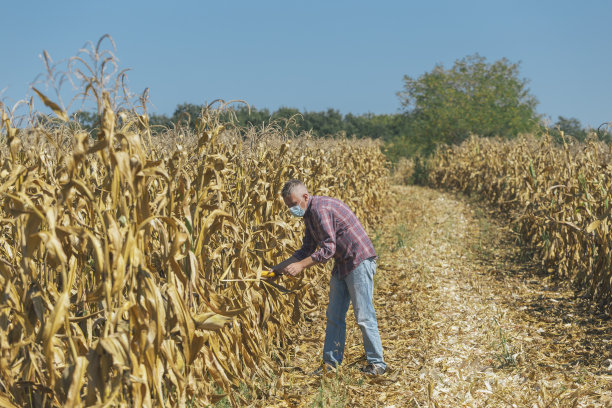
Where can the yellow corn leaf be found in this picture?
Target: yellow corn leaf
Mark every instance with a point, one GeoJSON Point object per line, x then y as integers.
{"type": "Point", "coordinates": [210, 321]}
{"type": "Point", "coordinates": [186, 324]}
{"type": "Point", "coordinates": [55, 253]}
{"type": "Point", "coordinates": [73, 398]}
{"type": "Point", "coordinates": [212, 222]}
{"type": "Point", "coordinates": [51, 326]}
{"type": "Point", "coordinates": [593, 226]}
{"type": "Point", "coordinates": [5, 401]}
{"type": "Point", "coordinates": [52, 105]}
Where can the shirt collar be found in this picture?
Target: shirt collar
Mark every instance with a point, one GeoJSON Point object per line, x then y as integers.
{"type": "Point", "coordinates": [309, 204]}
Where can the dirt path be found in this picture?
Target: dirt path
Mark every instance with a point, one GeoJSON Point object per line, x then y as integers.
{"type": "Point", "coordinates": [465, 322]}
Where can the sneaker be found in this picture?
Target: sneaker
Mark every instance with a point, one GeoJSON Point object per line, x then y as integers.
{"type": "Point", "coordinates": [323, 369]}
{"type": "Point", "coordinates": [373, 369]}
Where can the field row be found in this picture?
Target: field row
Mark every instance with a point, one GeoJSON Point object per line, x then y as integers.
{"type": "Point", "coordinates": [560, 195]}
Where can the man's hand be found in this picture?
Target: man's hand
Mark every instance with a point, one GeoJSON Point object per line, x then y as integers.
{"type": "Point", "coordinates": [280, 268]}
{"type": "Point", "coordinates": [292, 266]}
{"type": "Point", "coordinates": [293, 269]}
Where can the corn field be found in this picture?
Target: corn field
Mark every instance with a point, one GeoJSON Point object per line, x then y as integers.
{"type": "Point", "coordinates": [560, 194]}
{"type": "Point", "coordinates": [130, 264]}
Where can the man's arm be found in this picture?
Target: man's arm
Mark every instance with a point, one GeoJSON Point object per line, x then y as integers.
{"type": "Point", "coordinates": [327, 246]}
{"type": "Point", "coordinates": [300, 260]}
{"type": "Point", "coordinates": [301, 255]}
{"type": "Point", "coordinates": [327, 237]}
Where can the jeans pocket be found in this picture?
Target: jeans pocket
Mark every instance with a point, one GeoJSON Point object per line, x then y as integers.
{"type": "Point", "coordinates": [371, 266]}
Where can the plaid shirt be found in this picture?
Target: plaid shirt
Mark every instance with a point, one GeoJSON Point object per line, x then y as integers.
{"type": "Point", "coordinates": [334, 228]}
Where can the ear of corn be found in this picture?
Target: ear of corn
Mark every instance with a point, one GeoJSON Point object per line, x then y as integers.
{"type": "Point", "coordinates": [114, 252]}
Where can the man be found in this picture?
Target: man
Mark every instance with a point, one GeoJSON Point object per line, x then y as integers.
{"type": "Point", "coordinates": [333, 231]}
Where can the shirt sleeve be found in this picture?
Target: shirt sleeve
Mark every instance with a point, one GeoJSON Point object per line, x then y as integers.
{"type": "Point", "coordinates": [327, 233]}
{"type": "Point", "coordinates": [308, 246]}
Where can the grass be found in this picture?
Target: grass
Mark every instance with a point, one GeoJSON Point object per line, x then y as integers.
{"type": "Point", "coordinates": [402, 236]}
{"type": "Point", "coordinates": [333, 390]}
{"type": "Point", "coordinates": [243, 390]}
{"type": "Point", "coordinates": [399, 238]}
{"type": "Point", "coordinates": [506, 355]}
{"type": "Point", "coordinates": [378, 241]}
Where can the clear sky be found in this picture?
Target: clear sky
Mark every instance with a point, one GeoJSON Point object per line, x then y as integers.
{"type": "Point", "coordinates": [314, 55]}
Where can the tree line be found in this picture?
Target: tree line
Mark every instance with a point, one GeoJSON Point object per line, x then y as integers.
{"type": "Point", "coordinates": [443, 106]}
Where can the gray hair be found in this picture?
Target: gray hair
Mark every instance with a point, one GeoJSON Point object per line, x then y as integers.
{"type": "Point", "coordinates": [290, 186]}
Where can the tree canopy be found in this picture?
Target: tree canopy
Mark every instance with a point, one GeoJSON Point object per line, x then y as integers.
{"type": "Point", "coordinates": [472, 97]}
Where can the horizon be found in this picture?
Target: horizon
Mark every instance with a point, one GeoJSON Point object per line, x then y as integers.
{"type": "Point", "coordinates": [347, 56]}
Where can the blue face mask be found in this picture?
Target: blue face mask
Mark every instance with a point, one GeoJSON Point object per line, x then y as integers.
{"type": "Point", "coordinates": [297, 211]}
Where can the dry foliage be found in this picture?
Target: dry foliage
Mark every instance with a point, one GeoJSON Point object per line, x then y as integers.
{"type": "Point", "coordinates": [130, 266]}
{"type": "Point", "coordinates": [561, 194]}
{"type": "Point", "coordinates": [403, 172]}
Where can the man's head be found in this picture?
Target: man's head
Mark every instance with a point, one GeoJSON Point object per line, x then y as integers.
{"type": "Point", "coordinates": [294, 193]}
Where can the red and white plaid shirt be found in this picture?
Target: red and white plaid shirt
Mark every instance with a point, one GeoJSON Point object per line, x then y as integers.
{"type": "Point", "coordinates": [335, 230]}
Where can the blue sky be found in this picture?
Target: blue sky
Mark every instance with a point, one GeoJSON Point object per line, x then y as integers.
{"type": "Point", "coordinates": [314, 55]}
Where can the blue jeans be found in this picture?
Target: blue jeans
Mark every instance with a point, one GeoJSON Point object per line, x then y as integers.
{"type": "Point", "coordinates": [357, 287]}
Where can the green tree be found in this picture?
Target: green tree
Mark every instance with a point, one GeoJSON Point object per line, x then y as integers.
{"type": "Point", "coordinates": [160, 123]}
{"type": "Point", "coordinates": [250, 115]}
{"type": "Point", "coordinates": [88, 120]}
{"type": "Point", "coordinates": [187, 114]}
{"type": "Point", "coordinates": [473, 97]}
{"type": "Point", "coordinates": [324, 124]}
{"type": "Point", "coordinates": [571, 127]}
